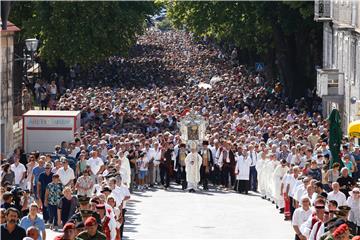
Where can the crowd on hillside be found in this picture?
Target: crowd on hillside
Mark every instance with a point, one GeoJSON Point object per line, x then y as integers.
{"type": "Point", "coordinates": [129, 140]}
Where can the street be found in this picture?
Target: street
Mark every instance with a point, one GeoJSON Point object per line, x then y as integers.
{"type": "Point", "coordinates": [168, 214]}
{"type": "Point", "coordinates": [161, 214]}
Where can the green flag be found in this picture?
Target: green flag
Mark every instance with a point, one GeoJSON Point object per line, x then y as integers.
{"type": "Point", "coordinates": [335, 137]}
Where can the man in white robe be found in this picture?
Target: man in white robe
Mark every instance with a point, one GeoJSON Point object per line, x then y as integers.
{"type": "Point", "coordinates": [193, 163]}
{"type": "Point", "coordinates": [279, 173]}
{"type": "Point", "coordinates": [125, 170]}
{"type": "Point", "coordinates": [260, 168]}
{"type": "Point", "coordinates": [269, 170]}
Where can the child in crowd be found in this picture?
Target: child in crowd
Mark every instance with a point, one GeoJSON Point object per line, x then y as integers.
{"type": "Point", "coordinates": [142, 165]}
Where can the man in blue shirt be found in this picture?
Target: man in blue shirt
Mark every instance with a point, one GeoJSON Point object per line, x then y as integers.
{"type": "Point", "coordinates": [32, 220]}
{"type": "Point", "coordinates": [44, 179]}
{"type": "Point", "coordinates": [36, 173]}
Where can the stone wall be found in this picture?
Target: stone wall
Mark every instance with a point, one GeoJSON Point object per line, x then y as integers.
{"type": "Point", "coordinates": [6, 93]}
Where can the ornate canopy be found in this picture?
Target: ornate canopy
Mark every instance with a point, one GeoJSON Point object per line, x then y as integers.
{"type": "Point", "coordinates": [193, 128]}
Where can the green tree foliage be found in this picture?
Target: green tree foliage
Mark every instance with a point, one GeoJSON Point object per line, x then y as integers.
{"type": "Point", "coordinates": [283, 34]}
{"type": "Point", "coordinates": [82, 32]}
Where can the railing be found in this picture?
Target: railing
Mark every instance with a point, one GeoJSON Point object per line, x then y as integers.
{"type": "Point", "coordinates": [330, 82]}
{"type": "Point", "coordinates": [322, 10]}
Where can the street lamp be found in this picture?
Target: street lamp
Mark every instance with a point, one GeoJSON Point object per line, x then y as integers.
{"type": "Point", "coordinates": [31, 44]}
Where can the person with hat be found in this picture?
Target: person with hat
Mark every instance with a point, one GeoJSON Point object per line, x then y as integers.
{"type": "Point", "coordinates": [341, 232]}
{"type": "Point", "coordinates": [79, 228]}
{"type": "Point", "coordinates": [108, 222]}
{"type": "Point", "coordinates": [354, 215]}
{"type": "Point", "coordinates": [207, 164]}
{"type": "Point", "coordinates": [180, 165]}
{"type": "Point", "coordinates": [69, 232]}
{"type": "Point", "coordinates": [193, 163]}
{"type": "Point", "coordinates": [84, 211]}
{"type": "Point", "coordinates": [92, 232]}
{"type": "Point", "coordinates": [53, 195]}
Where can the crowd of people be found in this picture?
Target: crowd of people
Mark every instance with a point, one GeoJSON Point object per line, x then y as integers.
{"type": "Point", "coordinates": [256, 140]}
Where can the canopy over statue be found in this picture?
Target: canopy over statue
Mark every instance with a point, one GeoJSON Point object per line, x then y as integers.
{"type": "Point", "coordinates": [193, 128]}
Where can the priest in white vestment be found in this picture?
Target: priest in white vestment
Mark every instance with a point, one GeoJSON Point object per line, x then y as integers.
{"type": "Point", "coordinates": [125, 170]}
{"type": "Point", "coordinates": [279, 173]}
{"type": "Point", "coordinates": [269, 170]}
{"type": "Point", "coordinates": [193, 163]}
{"type": "Point", "coordinates": [260, 168]}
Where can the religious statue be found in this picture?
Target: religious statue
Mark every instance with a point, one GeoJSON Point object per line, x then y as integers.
{"type": "Point", "coordinates": [193, 128]}
{"type": "Point", "coordinates": [193, 132]}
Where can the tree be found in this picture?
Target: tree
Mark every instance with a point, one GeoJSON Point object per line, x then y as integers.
{"type": "Point", "coordinates": [82, 32]}
{"type": "Point", "coordinates": [272, 30]}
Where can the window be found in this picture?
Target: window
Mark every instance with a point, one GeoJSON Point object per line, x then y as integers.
{"type": "Point", "coordinates": [353, 61]}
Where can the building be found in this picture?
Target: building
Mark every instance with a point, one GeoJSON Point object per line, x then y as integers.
{"type": "Point", "coordinates": [338, 81]}
{"type": "Point", "coordinates": [6, 87]}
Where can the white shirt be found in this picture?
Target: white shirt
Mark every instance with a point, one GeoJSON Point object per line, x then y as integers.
{"type": "Point", "coordinates": [300, 216]}
{"type": "Point", "coordinates": [74, 152]}
{"type": "Point", "coordinates": [119, 194]}
{"type": "Point", "coordinates": [252, 157]}
{"type": "Point", "coordinates": [18, 170]}
{"type": "Point", "coordinates": [305, 228]}
{"type": "Point", "coordinates": [299, 191]}
{"type": "Point", "coordinates": [293, 183]}
{"type": "Point", "coordinates": [339, 197]}
{"type": "Point", "coordinates": [214, 153]}
{"type": "Point", "coordinates": [95, 164]}
{"type": "Point", "coordinates": [66, 175]}
{"type": "Point", "coordinates": [157, 156]}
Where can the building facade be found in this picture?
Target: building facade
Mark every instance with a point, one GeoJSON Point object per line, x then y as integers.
{"type": "Point", "coordinates": [6, 90]}
{"type": "Point", "coordinates": [338, 80]}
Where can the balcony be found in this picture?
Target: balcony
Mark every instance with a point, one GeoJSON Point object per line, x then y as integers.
{"type": "Point", "coordinates": [330, 82]}
{"type": "Point", "coordinates": [322, 10]}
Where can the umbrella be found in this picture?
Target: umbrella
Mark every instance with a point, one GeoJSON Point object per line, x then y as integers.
{"type": "Point", "coordinates": [335, 137]}
{"type": "Point", "coordinates": [215, 79]}
{"type": "Point", "coordinates": [204, 85]}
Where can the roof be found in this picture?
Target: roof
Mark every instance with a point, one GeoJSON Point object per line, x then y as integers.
{"type": "Point", "coordinates": [38, 113]}
{"type": "Point", "coordinates": [10, 28]}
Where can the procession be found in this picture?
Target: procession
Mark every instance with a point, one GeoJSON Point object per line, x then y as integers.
{"type": "Point", "coordinates": [178, 113]}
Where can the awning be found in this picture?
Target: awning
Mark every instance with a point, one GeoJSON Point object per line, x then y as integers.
{"type": "Point", "coordinates": [35, 69]}
{"type": "Point", "coordinates": [354, 129]}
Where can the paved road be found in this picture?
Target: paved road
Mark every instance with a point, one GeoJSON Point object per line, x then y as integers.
{"type": "Point", "coordinates": [177, 214]}
{"type": "Point", "coordinates": [161, 214]}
